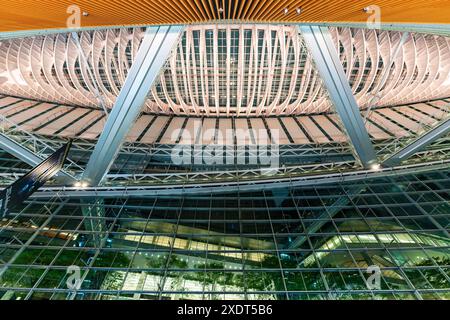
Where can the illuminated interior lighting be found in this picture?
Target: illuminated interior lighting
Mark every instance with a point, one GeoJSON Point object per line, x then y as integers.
{"type": "Point", "coordinates": [375, 167]}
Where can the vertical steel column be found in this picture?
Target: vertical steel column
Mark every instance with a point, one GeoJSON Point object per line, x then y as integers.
{"type": "Point", "coordinates": [153, 52]}
{"type": "Point", "coordinates": [320, 44]}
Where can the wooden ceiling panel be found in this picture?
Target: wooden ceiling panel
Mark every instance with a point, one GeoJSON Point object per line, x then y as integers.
{"type": "Point", "coordinates": [20, 15]}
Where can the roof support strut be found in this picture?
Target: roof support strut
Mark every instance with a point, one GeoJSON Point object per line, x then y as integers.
{"type": "Point", "coordinates": [28, 156]}
{"type": "Point", "coordinates": [419, 144]}
{"type": "Point", "coordinates": [320, 44]}
{"type": "Point", "coordinates": [153, 52]}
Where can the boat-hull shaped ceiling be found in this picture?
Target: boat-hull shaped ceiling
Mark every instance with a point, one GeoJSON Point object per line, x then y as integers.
{"type": "Point", "coordinates": [228, 70]}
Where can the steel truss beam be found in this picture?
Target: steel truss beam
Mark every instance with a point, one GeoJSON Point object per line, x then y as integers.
{"type": "Point", "coordinates": [234, 185]}
{"type": "Point", "coordinates": [419, 144]}
{"type": "Point", "coordinates": [320, 43]}
{"type": "Point", "coordinates": [19, 151]}
{"type": "Point", "coordinates": [151, 57]}
{"type": "Point", "coordinates": [20, 148]}
{"type": "Point", "coordinates": [439, 150]}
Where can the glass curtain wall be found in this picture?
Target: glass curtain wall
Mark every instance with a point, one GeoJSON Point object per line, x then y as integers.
{"type": "Point", "coordinates": [385, 238]}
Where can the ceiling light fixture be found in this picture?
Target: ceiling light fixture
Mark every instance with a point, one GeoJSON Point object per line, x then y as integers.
{"type": "Point", "coordinates": [81, 185]}
{"type": "Point", "coordinates": [375, 166]}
